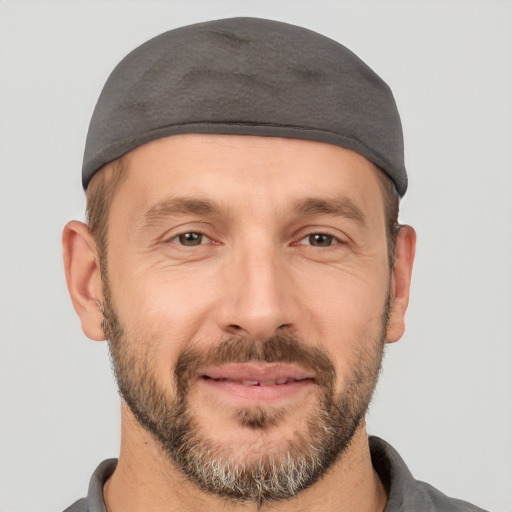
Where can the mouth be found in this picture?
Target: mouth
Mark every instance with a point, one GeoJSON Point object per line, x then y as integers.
{"type": "Point", "coordinates": [251, 382]}
{"type": "Point", "coordinates": [256, 383]}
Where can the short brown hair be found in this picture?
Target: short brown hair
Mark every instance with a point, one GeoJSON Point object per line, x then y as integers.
{"type": "Point", "coordinates": [391, 208]}
{"type": "Point", "coordinates": [99, 196]}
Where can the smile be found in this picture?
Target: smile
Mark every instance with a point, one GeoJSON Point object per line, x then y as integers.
{"type": "Point", "coordinates": [273, 382]}
{"type": "Point", "coordinates": [257, 383]}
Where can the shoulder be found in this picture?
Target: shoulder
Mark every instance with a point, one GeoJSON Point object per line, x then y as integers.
{"type": "Point", "coordinates": [438, 501]}
{"type": "Point", "coordinates": [78, 506]}
{"type": "Point", "coordinates": [94, 501]}
{"type": "Point", "coordinates": [405, 493]}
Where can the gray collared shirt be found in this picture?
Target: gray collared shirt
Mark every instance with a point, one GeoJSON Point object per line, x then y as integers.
{"type": "Point", "coordinates": [406, 494]}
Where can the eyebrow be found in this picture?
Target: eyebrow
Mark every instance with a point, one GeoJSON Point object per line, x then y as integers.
{"type": "Point", "coordinates": [181, 206]}
{"type": "Point", "coordinates": [338, 207]}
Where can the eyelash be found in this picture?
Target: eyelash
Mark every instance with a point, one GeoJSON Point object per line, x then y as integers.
{"type": "Point", "coordinates": [179, 239]}
{"type": "Point", "coordinates": [202, 236]}
{"type": "Point", "coordinates": [333, 239]}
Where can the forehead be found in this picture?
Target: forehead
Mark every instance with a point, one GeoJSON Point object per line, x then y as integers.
{"type": "Point", "coordinates": [266, 172]}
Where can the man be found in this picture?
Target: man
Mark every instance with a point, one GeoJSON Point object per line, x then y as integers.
{"type": "Point", "coordinates": [244, 260]}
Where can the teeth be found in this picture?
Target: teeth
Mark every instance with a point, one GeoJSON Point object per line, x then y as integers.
{"type": "Point", "coordinates": [250, 382]}
{"type": "Point", "coordinates": [279, 381]}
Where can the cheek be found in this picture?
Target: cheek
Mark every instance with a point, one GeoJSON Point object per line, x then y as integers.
{"type": "Point", "coordinates": [346, 316]}
{"type": "Point", "coordinates": [345, 302]}
{"type": "Point", "coordinates": [162, 315]}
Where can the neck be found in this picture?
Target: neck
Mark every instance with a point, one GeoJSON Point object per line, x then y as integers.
{"type": "Point", "coordinates": [146, 480]}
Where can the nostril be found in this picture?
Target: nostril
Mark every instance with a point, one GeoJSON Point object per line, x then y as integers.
{"type": "Point", "coordinates": [257, 330]}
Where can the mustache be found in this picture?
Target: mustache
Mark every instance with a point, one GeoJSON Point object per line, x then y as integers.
{"type": "Point", "coordinates": [276, 349]}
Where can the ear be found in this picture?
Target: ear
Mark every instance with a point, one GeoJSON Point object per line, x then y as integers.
{"type": "Point", "coordinates": [83, 277]}
{"type": "Point", "coordinates": [401, 282]}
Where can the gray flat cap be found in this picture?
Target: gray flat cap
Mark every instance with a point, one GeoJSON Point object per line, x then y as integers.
{"type": "Point", "coordinates": [246, 76]}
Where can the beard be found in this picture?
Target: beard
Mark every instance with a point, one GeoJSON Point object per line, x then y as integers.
{"type": "Point", "coordinates": [274, 474]}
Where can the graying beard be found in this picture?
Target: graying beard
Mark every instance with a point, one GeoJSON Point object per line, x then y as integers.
{"type": "Point", "coordinates": [265, 482]}
{"type": "Point", "coordinates": [275, 476]}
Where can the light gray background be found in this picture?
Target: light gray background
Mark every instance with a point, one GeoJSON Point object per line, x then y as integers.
{"type": "Point", "coordinates": [444, 400]}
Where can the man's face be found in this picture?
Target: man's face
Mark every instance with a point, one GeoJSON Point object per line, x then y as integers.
{"type": "Point", "coordinates": [246, 301]}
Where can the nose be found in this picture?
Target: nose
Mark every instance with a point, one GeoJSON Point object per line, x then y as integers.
{"type": "Point", "coordinates": [257, 299]}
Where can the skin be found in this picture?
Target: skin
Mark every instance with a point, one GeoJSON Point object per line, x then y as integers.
{"type": "Point", "coordinates": [256, 274]}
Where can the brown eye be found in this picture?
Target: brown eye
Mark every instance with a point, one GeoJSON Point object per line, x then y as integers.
{"type": "Point", "coordinates": [190, 239]}
{"type": "Point", "coordinates": [321, 240]}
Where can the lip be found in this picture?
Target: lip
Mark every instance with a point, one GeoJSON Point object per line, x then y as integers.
{"type": "Point", "coordinates": [256, 383]}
